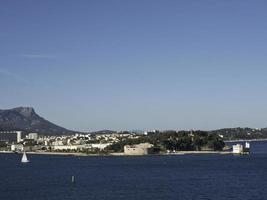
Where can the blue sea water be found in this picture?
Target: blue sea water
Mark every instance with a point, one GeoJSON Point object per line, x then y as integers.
{"type": "Point", "coordinates": [185, 177]}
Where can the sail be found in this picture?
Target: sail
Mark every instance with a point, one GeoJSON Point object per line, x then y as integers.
{"type": "Point", "coordinates": [24, 158]}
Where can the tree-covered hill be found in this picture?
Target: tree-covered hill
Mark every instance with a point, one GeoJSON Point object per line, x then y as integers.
{"type": "Point", "coordinates": [172, 140]}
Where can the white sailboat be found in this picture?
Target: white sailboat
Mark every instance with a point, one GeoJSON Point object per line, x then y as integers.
{"type": "Point", "coordinates": [24, 158]}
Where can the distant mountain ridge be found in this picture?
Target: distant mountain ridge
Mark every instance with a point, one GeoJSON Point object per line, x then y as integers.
{"type": "Point", "coordinates": [25, 119]}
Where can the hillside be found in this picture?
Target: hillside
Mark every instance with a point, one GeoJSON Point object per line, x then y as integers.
{"type": "Point", "coordinates": [241, 133]}
{"type": "Point", "coordinates": [25, 119]}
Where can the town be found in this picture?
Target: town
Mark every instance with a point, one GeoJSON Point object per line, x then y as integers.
{"type": "Point", "coordinates": [114, 143]}
{"type": "Point", "coordinates": [87, 143]}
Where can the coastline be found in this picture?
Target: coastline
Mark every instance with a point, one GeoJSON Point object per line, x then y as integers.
{"type": "Point", "coordinates": [247, 140]}
{"type": "Point", "coordinates": [122, 154]}
{"type": "Point", "coordinates": [49, 153]}
{"type": "Point", "coordinates": [199, 152]}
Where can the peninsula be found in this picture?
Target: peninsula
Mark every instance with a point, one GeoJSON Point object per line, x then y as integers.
{"type": "Point", "coordinates": [21, 129]}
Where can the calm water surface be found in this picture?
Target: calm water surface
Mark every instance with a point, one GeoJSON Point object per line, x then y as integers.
{"type": "Point", "coordinates": [150, 177]}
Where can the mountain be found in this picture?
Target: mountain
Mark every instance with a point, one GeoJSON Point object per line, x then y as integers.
{"type": "Point", "coordinates": [25, 119]}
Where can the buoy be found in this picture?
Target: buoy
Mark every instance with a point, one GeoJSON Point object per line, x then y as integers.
{"type": "Point", "coordinates": [73, 179]}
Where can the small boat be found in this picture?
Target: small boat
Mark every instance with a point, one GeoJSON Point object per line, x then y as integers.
{"type": "Point", "coordinates": [24, 158]}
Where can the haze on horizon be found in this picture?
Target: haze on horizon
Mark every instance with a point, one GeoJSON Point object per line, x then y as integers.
{"type": "Point", "coordinates": [90, 65]}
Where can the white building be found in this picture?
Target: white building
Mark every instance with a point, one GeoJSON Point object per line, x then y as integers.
{"type": "Point", "coordinates": [65, 147]}
{"type": "Point", "coordinates": [33, 136]}
{"type": "Point", "coordinates": [238, 149]}
{"type": "Point", "coordinates": [17, 147]}
{"type": "Point", "coordinates": [100, 146]}
{"type": "Point", "coordinates": [70, 147]}
{"type": "Point", "coordinates": [247, 145]}
{"type": "Point", "coordinates": [18, 136]}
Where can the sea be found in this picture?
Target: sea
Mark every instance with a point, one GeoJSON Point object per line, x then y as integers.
{"type": "Point", "coordinates": [184, 177]}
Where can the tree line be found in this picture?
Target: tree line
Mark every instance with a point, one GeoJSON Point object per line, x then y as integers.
{"type": "Point", "coordinates": [174, 141]}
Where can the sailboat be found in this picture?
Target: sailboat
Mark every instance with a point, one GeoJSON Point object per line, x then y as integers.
{"type": "Point", "coordinates": [24, 158]}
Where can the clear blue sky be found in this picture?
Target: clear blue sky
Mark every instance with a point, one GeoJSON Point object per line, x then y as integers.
{"type": "Point", "coordinates": [150, 64]}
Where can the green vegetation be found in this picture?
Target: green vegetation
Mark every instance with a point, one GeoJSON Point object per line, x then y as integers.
{"type": "Point", "coordinates": [241, 133]}
{"type": "Point", "coordinates": [3, 145]}
{"type": "Point", "coordinates": [29, 143]}
{"type": "Point", "coordinates": [174, 141]}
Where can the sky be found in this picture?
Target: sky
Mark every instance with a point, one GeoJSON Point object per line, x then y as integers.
{"type": "Point", "coordinates": [127, 65]}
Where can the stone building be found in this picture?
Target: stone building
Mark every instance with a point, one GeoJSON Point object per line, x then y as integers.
{"type": "Point", "coordinates": [139, 149]}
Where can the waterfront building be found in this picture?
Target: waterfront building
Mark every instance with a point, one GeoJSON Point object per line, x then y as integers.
{"type": "Point", "coordinates": [247, 148]}
{"type": "Point", "coordinates": [65, 147]}
{"type": "Point", "coordinates": [100, 146]}
{"type": "Point", "coordinates": [71, 147]}
{"type": "Point", "coordinates": [138, 149]}
{"type": "Point", "coordinates": [238, 149]}
{"type": "Point", "coordinates": [247, 145]}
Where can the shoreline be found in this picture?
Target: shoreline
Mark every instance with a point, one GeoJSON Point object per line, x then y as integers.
{"type": "Point", "coordinates": [121, 154]}
{"type": "Point", "coordinates": [49, 153]}
{"type": "Point", "coordinates": [199, 152]}
{"type": "Point", "coordinates": [247, 140]}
